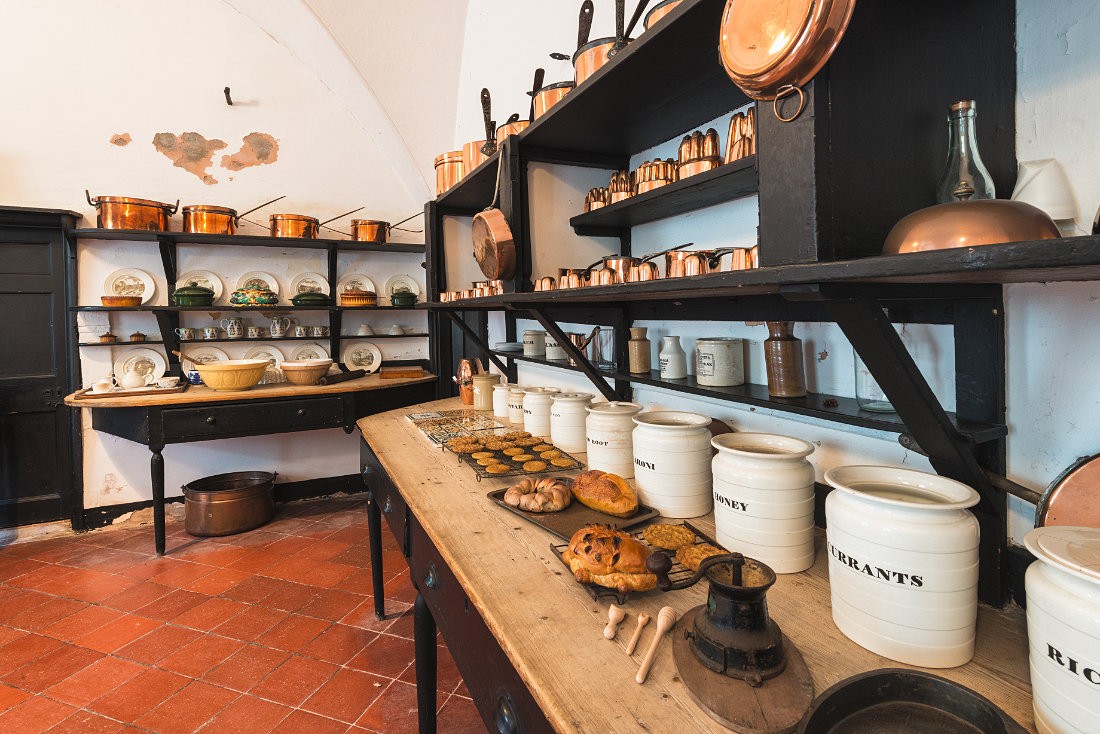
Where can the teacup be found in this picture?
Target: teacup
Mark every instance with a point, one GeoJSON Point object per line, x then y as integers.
{"type": "Point", "coordinates": [185, 333]}
{"type": "Point", "coordinates": [255, 332]}
{"type": "Point", "coordinates": [210, 332]}
{"type": "Point", "coordinates": [301, 331]}
{"type": "Point", "coordinates": [318, 331]}
{"type": "Point", "coordinates": [194, 377]}
{"type": "Point", "coordinates": [103, 384]}
{"type": "Point", "coordinates": [168, 382]}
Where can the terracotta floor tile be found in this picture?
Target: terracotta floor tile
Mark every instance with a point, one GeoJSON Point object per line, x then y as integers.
{"type": "Point", "coordinates": [303, 721]}
{"type": "Point", "coordinates": [45, 614]}
{"type": "Point", "coordinates": [210, 614]}
{"type": "Point", "coordinates": [138, 695]}
{"type": "Point", "coordinates": [88, 585]}
{"type": "Point", "coordinates": [462, 690]}
{"type": "Point", "coordinates": [87, 620]}
{"type": "Point", "coordinates": [289, 546]}
{"type": "Point", "coordinates": [248, 714]}
{"type": "Point", "coordinates": [182, 575]}
{"type": "Point", "coordinates": [331, 604]}
{"type": "Point", "coordinates": [289, 525]}
{"type": "Point", "coordinates": [257, 561]}
{"type": "Point", "coordinates": [51, 668]}
{"type": "Point", "coordinates": [34, 715]}
{"type": "Point", "coordinates": [158, 644]}
{"type": "Point", "coordinates": [447, 677]}
{"type": "Point", "coordinates": [356, 536]}
{"type": "Point", "coordinates": [7, 634]}
{"type": "Point", "coordinates": [136, 596]}
{"type": "Point", "coordinates": [95, 681]}
{"type": "Point", "coordinates": [42, 575]}
{"type": "Point", "coordinates": [324, 550]}
{"type": "Point", "coordinates": [363, 615]}
{"type": "Point", "coordinates": [394, 712]}
{"type": "Point", "coordinates": [313, 573]}
{"type": "Point", "coordinates": [188, 710]}
{"type": "Point", "coordinates": [139, 541]}
{"type": "Point", "coordinates": [346, 695]}
{"type": "Point", "coordinates": [217, 582]}
{"type": "Point", "coordinates": [293, 633]}
{"type": "Point", "coordinates": [400, 588]}
{"type": "Point", "coordinates": [254, 539]}
{"type": "Point", "coordinates": [460, 716]}
{"type": "Point", "coordinates": [18, 653]}
{"type": "Point", "coordinates": [253, 590]}
{"type": "Point", "coordinates": [386, 655]}
{"type": "Point", "coordinates": [294, 681]}
{"type": "Point", "coordinates": [85, 722]}
{"type": "Point", "coordinates": [172, 604]}
{"type": "Point", "coordinates": [152, 567]}
{"type": "Point", "coordinates": [402, 625]}
{"type": "Point", "coordinates": [358, 581]}
{"type": "Point", "coordinates": [338, 644]}
{"type": "Point", "coordinates": [289, 596]}
{"type": "Point", "coordinates": [114, 635]}
{"type": "Point", "coordinates": [246, 668]}
{"type": "Point", "coordinates": [356, 555]}
{"type": "Point", "coordinates": [250, 624]}
{"type": "Point", "coordinates": [9, 696]}
{"type": "Point", "coordinates": [196, 659]}
{"type": "Point", "coordinates": [108, 560]}
{"type": "Point", "coordinates": [11, 567]}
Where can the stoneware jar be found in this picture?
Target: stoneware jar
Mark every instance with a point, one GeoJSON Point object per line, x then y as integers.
{"type": "Point", "coordinates": [515, 405]}
{"type": "Point", "coordinates": [553, 349]}
{"type": "Point", "coordinates": [639, 357]}
{"type": "Point", "coordinates": [609, 432]}
{"type": "Point", "coordinates": [536, 410]}
{"type": "Point", "coordinates": [1063, 628]}
{"type": "Point", "coordinates": [568, 412]}
{"type": "Point", "coordinates": [672, 359]}
{"type": "Point", "coordinates": [534, 343]}
{"type": "Point", "coordinates": [764, 498]}
{"type": "Point", "coordinates": [903, 563]}
{"type": "Point", "coordinates": [672, 462]}
{"type": "Point", "coordinates": [483, 390]}
{"type": "Point", "coordinates": [500, 399]}
{"type": "Point", "coordinates": [720, 362]}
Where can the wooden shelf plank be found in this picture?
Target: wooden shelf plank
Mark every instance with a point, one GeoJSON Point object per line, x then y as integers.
{"type": "Point", "coordinates": [245, 240]}
{"type": "Point", "coordinates": [224, 308]}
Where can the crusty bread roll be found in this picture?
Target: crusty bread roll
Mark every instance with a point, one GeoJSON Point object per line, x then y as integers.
{"type": "Point", "coordinates": [608, 493]}
{"type": "Point", "coordinates": [601, 555]}
{"type": "Point", "coordinates": [543, 495]}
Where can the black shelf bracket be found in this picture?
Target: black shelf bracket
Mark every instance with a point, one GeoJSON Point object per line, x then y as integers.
{"type": "Point", "coordinates": [473, 336]}
{"type": "Point", "coordinates": [594, 375]}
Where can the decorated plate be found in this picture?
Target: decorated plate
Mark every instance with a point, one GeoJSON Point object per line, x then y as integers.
{"type": "Point", "coordinates": [361, 355]}
{"type": "Point", "coordinates": [265, 351]}
{"type": "Point", "coordinates": [130, 282]}
{"type": "Point", "coordinates": [308, 351]}
{"type": "Point", "coordinates": [308, 283]}
{"type": "Point", "coordinates": [259, 281]}
{"type": "Point", "coordinates": [206, 354]}
{"type": "Point", "coordinates": [204, 278]}
{"type": "Point", "coordinates": [355, 282]}
{"type": "Point", "coordinates": [143, 360]}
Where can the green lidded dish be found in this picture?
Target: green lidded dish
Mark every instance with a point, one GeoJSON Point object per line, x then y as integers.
{"type": "Point", "coordinates": [193, 294]}
{"type": "Point", "coordinates": [253, 297]}
{"type": "Point", "coordinates": [311, 298]}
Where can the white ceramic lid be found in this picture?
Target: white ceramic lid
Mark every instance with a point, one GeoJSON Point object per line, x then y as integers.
{"type": "Point", "coordinates": [672, 419]}
{"type": "Point", "coordinates": [929, 491]}
{"type": "Point", "coordinates": [571, 396]}
{"type": "Point", "coordinates": [763, 445]}
{"type": "Point", "coordinates": [615, 407]}
{"type": "Point", "coordinates": [540, 390]}
{"type": "Point", "coordinates": [1075, 550]}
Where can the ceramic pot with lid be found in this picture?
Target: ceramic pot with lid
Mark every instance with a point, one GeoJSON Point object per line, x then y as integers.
{"type": "Point", "coordinates": [1063, 610]}
{"type": "Point", "coordinates": [515, 405]}
{"type": "Point", "coordinates": [672, 462]}
{"type": "Point", "coordinates": [534, 343]}
{"type": "Point", "coordinates": [609, 433]}
{"type": "Point", "coordinates": [483, 389]}
{"type": "Point", "coordinates": [536, 410]}
{"type": "Point", "coordinates": [568, 414]}
{"type": "Point", "coordinates": [903, 563]}
{"type": "Point", "coordinates": [500, 399]}
{"type": "Point", "coordinates": [720, 362]}
{"type": "Point", "coordinates": [764, 498]}
{"type": "Point", "coordinates": [193, 294]}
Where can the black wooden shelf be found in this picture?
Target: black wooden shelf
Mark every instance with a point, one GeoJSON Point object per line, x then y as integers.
{"type": "Point", "coordinates": [119, 343]}
{"type": "Point", "coordinates": [245, 240]}
{"type": "Point", "coordinates": [269, 339]}
{"type": "Point", "coordinates": [383, 336]}
{"type": "Point", "coordinates": [475, 191]}
{"type": "Point", "coordinates": [224, 308]}
{"type": "Point", "coordinates": [520, 357]}
{"type": "Point", "coordinates": [725, 183]}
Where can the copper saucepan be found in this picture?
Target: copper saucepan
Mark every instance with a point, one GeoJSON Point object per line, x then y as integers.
{"type": "Point", "coordinates": [613, 269]}
{"type": "Point", "coordinates": [645, 269]}
{"type": "Point", "coordinates": [493, 245]}
{"type": "Point", "coordinates": [572, 278]}
{"type": "Point", "coordinates": [376, 230]}
{"type": "Point", "coordinates": [124, 212]}
{"type": "Point", "coordinates": [659, 11]}
{"type": "Point", "coordinates": [550, 95]}
{"type": "Point", "coordinates": [210, 219]}
{"type": "Point", "coordinates": [511, 127]}
{"type": "Point", "coordinates": [294, 225]}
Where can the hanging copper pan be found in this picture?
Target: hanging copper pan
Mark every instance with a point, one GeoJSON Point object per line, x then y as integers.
{"type": "Point", "coordinates": [771, 48]}
{"type": "Point", "coordinates": [494, 248]}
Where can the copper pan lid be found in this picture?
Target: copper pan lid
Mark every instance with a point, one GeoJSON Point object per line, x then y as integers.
{"type": "Point", "coordinates": [969, 224]}
{"type": "Point", "coordinates": [1072, 499]}
{"type": "Point", "coordinates": [131, 201]}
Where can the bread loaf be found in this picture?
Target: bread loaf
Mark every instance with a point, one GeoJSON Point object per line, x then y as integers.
{"type": "Point", "coordinates": [608, 493]}
{"type": "Point", "coordinates": [599, 554]}
{"type": "Point", "coordinates": [543, 495]}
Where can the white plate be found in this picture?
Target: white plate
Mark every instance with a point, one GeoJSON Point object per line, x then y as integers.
{"type": "Point", "coordinates": [144, 360]}
{"type": "Point", "coordinates": [508, 346]}
{"type": "Point", "coordinates": [355, 281]}
{"type": "Point", "coordinates": [308, 283]}
{"type": "Point", "coordinates": [402, 283]}
{"type": "Point", "coordinates": [265, 351]}
{"type": "Point", "coordinates": [259, 279]}
{"type": "Point", "coordinates": [361, 355]}
{"type": "Point", "coordinates": [130, 282]}
{"type": "Point", "coordinates": [206, 354]}
{"type": "Point", "coordinates": [204, 278]}
{"type": "Point", "coordinates": [308, 351]}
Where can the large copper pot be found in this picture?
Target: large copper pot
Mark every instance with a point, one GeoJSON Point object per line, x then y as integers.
{"type": "Point", "coordinates": [549, 96]}
{"type": "Point", "coordinates": [472, 156]}
{"type": "Point", "coordinates": [659, 11]}
{"type": "Point", "coordinates": [124, 212]}
{"type": "Point", "coordinates": [209, 219]}
{"type": "Point", "coordinates": [294, 225]}
{"type": "Point", "coordinates": [590, 58]}
{"type": "Point", "coordinates": [449, 170]}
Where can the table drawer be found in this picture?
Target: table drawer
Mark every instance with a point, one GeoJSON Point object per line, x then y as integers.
{"type": "Point", "coordinates": [499, 693]}
{"type": "Point", "coordinates": [390, 502]}
{"type": "Point", "coordinates": [257, 418]}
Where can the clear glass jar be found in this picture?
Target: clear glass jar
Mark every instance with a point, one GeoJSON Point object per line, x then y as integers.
{"type": "Point", "coordinates": [868, 393]}
{"type": "Point", "coordinates": [964, 163]}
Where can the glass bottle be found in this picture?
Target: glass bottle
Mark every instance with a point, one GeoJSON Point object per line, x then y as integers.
{"type": "Point", "coordinates": [868, 393]}
{"type": "Point", "coordinates": [964, 163]}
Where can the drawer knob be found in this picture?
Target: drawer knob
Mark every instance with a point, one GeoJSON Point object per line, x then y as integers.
{"type": "Point", "coordinates": [301, 411]}
{"type": "Point", "coordinates": [387, 505]}
{"type": "Point", "coordinates": [504, 718]}
{"type": "Point", "coordinates": [211, 420]}
{"type": "Point", "coordinates": [431, 577]}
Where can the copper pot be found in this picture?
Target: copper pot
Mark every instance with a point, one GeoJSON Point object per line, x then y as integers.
{"type": "Point", "coordinates": [511, 128]}
{"type": "Point", "coordinates": [659, 11]}
{"type": "Point", "coordinates": [207, 219]}
{"type": "Point", "coordinates": [550, 95]}
{"type": "Point", "coordinates": [546, 283]}
{"type": "Point", "coordinates": [124, 212]}
{"type": "Point", "coordinates": [449, 171]}
{"type": "Point", "coordinates": [494, 248]}
{"type": "Point", "coordinates": [294, 225]}
{"type": "Point", "coordinates": [464, 378]}
{"type": "Point", "coordinates": [572, 277]}
{"type": "Point", "coordinates": [590, 58]}
{"type": "Point", "coordinates": [644, 271]}
{"type": "Point", "coordinates": [685, 263]}
{"type": "Point", "coordinates": [370, 230]}
{"type": "Point", "coordinates": [472, 157]}
{"type": "Point", "coordinates": [614, 269]}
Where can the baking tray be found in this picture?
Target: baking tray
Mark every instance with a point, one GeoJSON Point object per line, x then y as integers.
{"type": "Point", "coordinates": [568, 521]}
{"type": "Point", "coordinates": [678, 572]}
{"type": "Point", "coordinates": [441, 426]}
{"type": "Point", "coordinates": [514, 469]}
{"type": "Point", "coordinates": [896, 701]}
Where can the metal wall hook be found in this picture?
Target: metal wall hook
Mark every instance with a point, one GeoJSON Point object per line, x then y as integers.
{"type": "Point", "coordinates": [228, 99]}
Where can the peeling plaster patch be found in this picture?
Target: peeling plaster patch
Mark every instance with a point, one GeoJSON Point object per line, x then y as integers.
{"type": "Point", "coordinates": [823, 355]}
{"type": "Point", "coordinates": [257, 149]}
{"type": "Point", "coordinates": [121, 139]}
{"type": "Point", "coordinates": [189, 151]}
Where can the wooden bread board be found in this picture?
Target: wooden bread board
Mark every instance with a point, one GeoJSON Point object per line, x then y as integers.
{"type": "Point", "coordinates": [394, 373]}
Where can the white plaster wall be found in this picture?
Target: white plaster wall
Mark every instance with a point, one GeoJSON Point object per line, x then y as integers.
{"type": "Point", "coordinates": [1052, 396]}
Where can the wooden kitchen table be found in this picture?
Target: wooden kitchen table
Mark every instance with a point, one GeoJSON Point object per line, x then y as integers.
{"type": "Point", "coordinates": [203, 414]}
{"type": "Point", "coordinates": [528, 639]}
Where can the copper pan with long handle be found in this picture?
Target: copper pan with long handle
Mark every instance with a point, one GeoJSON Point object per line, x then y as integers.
{"type": "Point", "coordinates": [493, 244]}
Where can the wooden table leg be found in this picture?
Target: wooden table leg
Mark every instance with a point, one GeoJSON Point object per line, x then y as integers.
{"type": "Point", "coordinates": [374, 535]}
{"type": "Point", "coordinates": [156, 472]}
{"type": "Point", "coordinates": [424, 646]}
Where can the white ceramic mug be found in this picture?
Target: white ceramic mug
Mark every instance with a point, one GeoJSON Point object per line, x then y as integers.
{"type": "Point", "coordinates": [210, 332]}
{"type": "Point", "coordinates": [255, 332]}
{"type": "Point", "coordinates": [319, 331]}
{"type": "Point", "coordinates": [185, 333]}
{"type": "Point", "coordinates": [301, 331]}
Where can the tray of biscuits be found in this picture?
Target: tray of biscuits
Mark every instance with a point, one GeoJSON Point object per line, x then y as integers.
{"type": "Point", "coordinates": [498, 452]}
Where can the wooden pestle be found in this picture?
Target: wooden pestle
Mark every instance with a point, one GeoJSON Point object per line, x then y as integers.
{"type": "Point", "coordinates": [615, 616]}
{"type": "Point", "coordinates": [643, 620]}
{"type": "Point", "coordinates": [666, 619]}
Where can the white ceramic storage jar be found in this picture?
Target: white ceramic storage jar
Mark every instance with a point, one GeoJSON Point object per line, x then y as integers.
{"type": "Point", "coordinates": [1063, 628]}
{"type": "Point", "coordinates": [553, 349]}
{"type": "Point", "coordinates": [536, 410]}
{"type": "Point", "coordinates": [483, 390]}
{"type": "Point", "coordinates": [764, 498]}
{"type": "Point", "coordinates": [534, 343]}
{"type": "Point", "coordinates": [568, 413]}
{"type": "Point", "coordinates": [500, 400]}
{"type": "Point", "coordinates": [609, 433]}
{"type": "Point", "coordinates": [903, 563]}
{"type": "Point", "coordinates": [720, 362]}
{"type": "Point", "coordinates": [515, 405]}
{"type": "Point", "coordinates": [672, 455]}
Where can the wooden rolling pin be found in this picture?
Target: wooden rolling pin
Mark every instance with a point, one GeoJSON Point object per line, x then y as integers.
{"type": "Point", "coordinates": [341, 377]}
